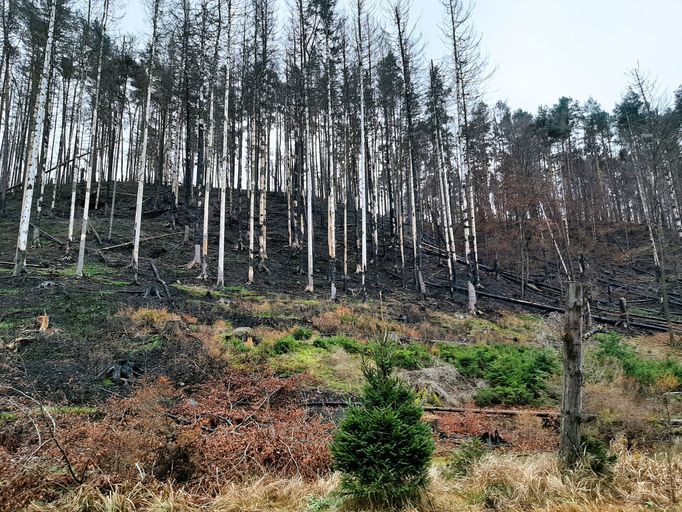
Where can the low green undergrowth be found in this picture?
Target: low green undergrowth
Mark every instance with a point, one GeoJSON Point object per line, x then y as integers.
{"type": "Point", "coordinates": [285, 345]}
{"type": "Point", "coordinates": [412, 356]}
{"type": "Point", "coordinates": [663, 373]}
{"type": "Point", "coordinates": [301, 333]}
{"type": "Point", "coordinates": [464, 457]}
{"type": "Point", "coordinates": [517, 375]}
{"type": "Point", "coordinates": [409, 357]}
{"type": "Point", "coordinates": [350, 345]}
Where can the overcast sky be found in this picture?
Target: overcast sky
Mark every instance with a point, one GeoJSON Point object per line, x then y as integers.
{"type": "Point", "coordinates": [543, 49]}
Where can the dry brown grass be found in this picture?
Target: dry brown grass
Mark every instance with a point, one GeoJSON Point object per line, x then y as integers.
{"type": "Point", "coordinates": [361, 324]}
{"type": "Point", "coordinates": [620, 410]}
{"type": "Point", "coordinates": [655, 345]}
{"type": "Point", "coordinates": [502, 482]}
{"type": "Point", "coordinates": [639, 482]}
{"type": "Point", "coordinates": [213, 337]}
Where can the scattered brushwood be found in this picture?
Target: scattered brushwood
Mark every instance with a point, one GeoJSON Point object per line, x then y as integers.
{"type": "Point", "coordinates": [245, 426]}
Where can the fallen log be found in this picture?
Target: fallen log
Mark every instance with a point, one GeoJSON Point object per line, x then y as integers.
{"type": "Point", "coordinates": [12, 263]}
{"type": "Point", "coordinates": [549, 307]}
{"type": "Point", "coordinates": [48, 235]}
{"type": "Point", "coordinates": [457, 410]}
{"type": "Point", "coordinates": [126, 244]}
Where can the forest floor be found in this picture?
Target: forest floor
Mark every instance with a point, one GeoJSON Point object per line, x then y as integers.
{"type": "Point", "coordinates": [115, 396]}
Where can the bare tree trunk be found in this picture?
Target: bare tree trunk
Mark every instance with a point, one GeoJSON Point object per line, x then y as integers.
{"type": "Point", "coordinates": [362, 168]}
{"type": "Point", "coordinates": [310, 287]}
{"type": "Point", "coordinates": [5, 105]}
{"type": "Point", "coordinates": [27, 201]}
{"type": "Point", "coordinates": [224, 161]}
{"type": "Point", "coordinates": [93, 149]}
{"type": "Point", "coordinates": [675, 207]}
{"type": "Point", "coordinates": [331, 172]}
{"type": "Point", "coordinates": [145, 137]}
{"type": "Point", "coordinates": [571, 403]}
{"type": "Point", "coordinates": [413, 181]}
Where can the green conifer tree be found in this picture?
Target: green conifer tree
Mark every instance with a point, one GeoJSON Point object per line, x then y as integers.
{"type": "Point", "coordinates": [382, 447]}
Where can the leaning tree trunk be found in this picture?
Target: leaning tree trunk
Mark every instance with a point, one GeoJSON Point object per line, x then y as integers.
{"type": "Point", "coordinates": [27, 202]}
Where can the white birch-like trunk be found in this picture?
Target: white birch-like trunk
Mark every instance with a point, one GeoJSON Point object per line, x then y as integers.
{"type": "Point", "coordinates": [331, 175]}
{"type": "Point", "coordinates": [93, 150]}
{"type": "Point", "coordinates": [675, 207]}
{"type": "Point", "coordinates": [308, 167]}
{"type": "Point", "coordinates": [262, 205]}
{"type": "Point", "coordinates": [362, 168]}
{"type": "Point", "coordinates": [74, 184]}
{"type": "Point", "coordinates": [208, 180]}
{"type": "Point", "coordinates": [27, 201]}
{"type": "Point", "coordinates": [143, 157]}
{"type": "Point", "coordinates": [224, 171]}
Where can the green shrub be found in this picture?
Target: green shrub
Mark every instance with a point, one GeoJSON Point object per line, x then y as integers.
{"type": "Point", "coordinates": [301, 333]}
{"type": "Point", "coordinates": [517, 375]}
{"type": "Point", "coordinates": [412, 356]}
{"type": "Point", "coordinates": [595, 455]}
{"type": "Point", "coordinates": [646, 372]}
{"type": "Point", "coordinates": [382, 447]}
{"type": "Point", "coordinates": [285, 345]}
{"type": "Point", "coordinates": [465, 456]}
{"type": "Point", "coordinates": [507, 395]}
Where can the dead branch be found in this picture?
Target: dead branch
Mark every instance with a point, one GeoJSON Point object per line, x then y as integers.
{"type": "Point", "coordinates": [158, 278]}
{"type": "Point", "coordinates": [48, 235]}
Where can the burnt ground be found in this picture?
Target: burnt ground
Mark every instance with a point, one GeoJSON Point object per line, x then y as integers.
{"type": "Point", "coordinates": [88, 334]}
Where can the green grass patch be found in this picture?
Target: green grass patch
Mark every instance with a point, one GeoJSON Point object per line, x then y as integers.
{"type": "Point", "coordinates": [285, 345]}
{"type": "Point", "coordinates": [408, 357]}
{"type": "Point", "coordinates": [196, 290]}
{"type": "Point", "coordinates": [665, 373]}
{"type": "Point", "coordinates": [235, 345]}
{"type": "Point", "coordinates": [338, 374]}
{"type": "Point", "coordinates": [350, 345]}
{"type": "Point", "coordinates": [151, 342]}
{"type": "Point", "coordinates": [92, 269]}
{"type": "Point", "coordinates": [8, 325]}
{"type": "Point", "coordinates": [236, 288]}
{"type": "Point", "coordinates": [116, 282]}
{"type": "Point", "coordinates": [517, 375]}
{"type": "Point", "coordinates": [6, 417]}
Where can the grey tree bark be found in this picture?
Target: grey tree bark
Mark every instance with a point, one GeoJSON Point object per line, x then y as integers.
{"type": "Point", "coordinates": [572, 398]}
